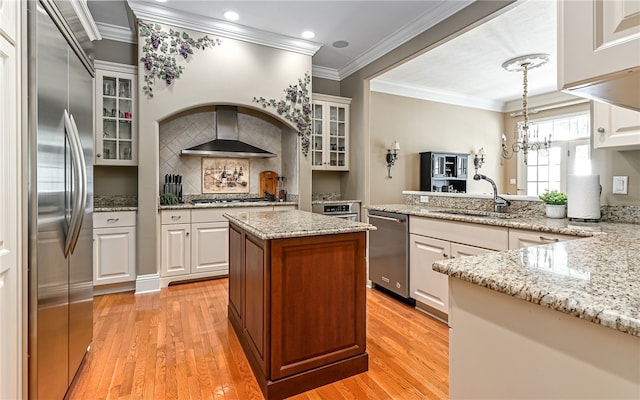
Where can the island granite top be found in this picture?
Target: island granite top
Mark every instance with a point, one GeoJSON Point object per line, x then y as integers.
{"type": "Point", "coordinates": [594, 278]}
{"type": "Point", "coordinates": [293, 223]}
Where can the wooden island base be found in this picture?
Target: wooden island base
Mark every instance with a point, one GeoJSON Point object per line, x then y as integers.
{"type": "Point", "coordinates": [298, 307]}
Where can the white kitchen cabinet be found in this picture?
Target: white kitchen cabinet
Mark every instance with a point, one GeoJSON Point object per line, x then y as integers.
{"type": "Point", "coordinates": [209, 247]}
{"type": "Point", "coordinates": [597, 41]}
{"type": "Point", "coordinates": [116, 114]}
{"type": "Point", "coordinates": [11, 227]}
{"type": "Point", "coordinates": [114, 247]}
{"type": "Point", "coordinates": [519, 238]}
{"type": "Point", "coordinates": [176, 250]}
{"type": "Point", "coordinates": [195, 242]}
{"type": "Point", "coordinates": [426, 285]}
{"type": "Point", "coordinates": [432, 240]}
{"type": "Point", "coordinates": [329, 146]}
{"type": "Point", "coordinates": [615, 127]}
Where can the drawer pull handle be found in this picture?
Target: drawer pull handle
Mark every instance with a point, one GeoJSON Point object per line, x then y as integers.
{"type": "Point", "coordinates": [112, 220]}
{"type": "Point", "coordinates": [548, 239]}
{"type": "Point", "coordinates": [176, 217]}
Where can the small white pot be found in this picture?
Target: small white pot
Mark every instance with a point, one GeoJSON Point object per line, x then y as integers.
{"type": "Point", "coordinates": [556, 211]}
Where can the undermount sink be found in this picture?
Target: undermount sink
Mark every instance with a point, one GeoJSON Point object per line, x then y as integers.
{"type": "Point", "coordinates": [475, 213]}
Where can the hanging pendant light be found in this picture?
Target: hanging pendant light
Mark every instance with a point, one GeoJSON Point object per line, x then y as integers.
{"type": "Point", "coordinates": [526, 132]}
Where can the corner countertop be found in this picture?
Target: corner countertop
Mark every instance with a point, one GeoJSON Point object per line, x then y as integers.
{"type": "Point", "coordinates": [293, 223]}
{"type": "Point", "coordinates": [186, 205]}
{"type": "Point", "coordinates": [595, 278]}
{"type": "Point", "coordinates": [335, 201]}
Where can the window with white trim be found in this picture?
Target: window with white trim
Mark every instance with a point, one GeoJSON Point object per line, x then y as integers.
{"type": "Point", "coordinates": [569, 154]}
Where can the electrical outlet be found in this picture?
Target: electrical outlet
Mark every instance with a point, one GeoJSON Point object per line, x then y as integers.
{"type": "Point", "coordinates": [424, 199]}
{"type": "Point", "coordinates": [620, 184]}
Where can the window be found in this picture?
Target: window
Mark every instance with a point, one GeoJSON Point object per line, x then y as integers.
{"type": "Point", "coordinates": [569, 154]}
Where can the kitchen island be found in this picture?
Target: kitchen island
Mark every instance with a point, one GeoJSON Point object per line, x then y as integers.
{"type": "Point", "coordinates": [297, 298]}
{"type": "Point", "coordinates": [560, 320]}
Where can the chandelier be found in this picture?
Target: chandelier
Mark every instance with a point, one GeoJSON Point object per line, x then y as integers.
{"type": "Point", "coordinates": [526, 132]}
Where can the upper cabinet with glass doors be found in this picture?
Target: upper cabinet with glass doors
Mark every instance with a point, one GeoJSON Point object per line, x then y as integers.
{"type": "Point", "coordinates": [330, 133]}
{"type": "Point", "coordinates": [116, 114]}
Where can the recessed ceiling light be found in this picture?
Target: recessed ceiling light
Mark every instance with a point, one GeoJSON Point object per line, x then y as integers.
{"type": "Point", "coordinates": [231, 15]}
{"type": "Point", "coordinates": [308, 35]}
{"type": "Point", "coordinates": [340, 44]}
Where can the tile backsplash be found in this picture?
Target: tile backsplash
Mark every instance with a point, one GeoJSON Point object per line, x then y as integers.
{"type": "Point", "coordinates": [198, 126]}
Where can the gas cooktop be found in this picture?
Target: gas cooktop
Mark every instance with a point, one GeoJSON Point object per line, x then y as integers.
{"type": "Point", "coordinates": [222, 201]}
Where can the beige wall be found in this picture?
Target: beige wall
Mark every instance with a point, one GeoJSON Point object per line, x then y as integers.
{"type": "Point", "coordinates": [420, 125]}
{"type": "Point", "coordinates": [113, 181]}
{"type": "Point", "coordinates": [326, 182]}
{"type": "Point", "coordinates": [231, 73]}
{"type": "Point", "coordinates": [326, 86]}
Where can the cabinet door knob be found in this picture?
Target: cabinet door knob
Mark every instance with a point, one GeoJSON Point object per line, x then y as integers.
{"type": "Point", "coordinates": [187, 234]}
{"type": "Point", "coordinates": [445, 255]}
{"type": "Point", "coordinates": [98, 155]}
{"type": "Point", "coordinates": [601, 130]}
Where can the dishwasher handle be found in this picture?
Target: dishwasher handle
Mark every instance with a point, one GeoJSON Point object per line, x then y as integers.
{"type": "Point", "coordinates": [385, 218]}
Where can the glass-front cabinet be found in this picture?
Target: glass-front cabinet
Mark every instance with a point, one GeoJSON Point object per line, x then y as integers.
{"type": "Point", "coordinates": [330, 132]}
{"type": "Point", "coordinates": [116, 114]}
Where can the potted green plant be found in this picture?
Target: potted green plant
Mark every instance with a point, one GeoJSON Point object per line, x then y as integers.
{"type": "Point", "coordinates": [556, 203]}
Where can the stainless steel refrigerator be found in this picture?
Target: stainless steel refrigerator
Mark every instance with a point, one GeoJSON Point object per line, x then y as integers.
{"type": "Point", "coordinates": [60, 198]}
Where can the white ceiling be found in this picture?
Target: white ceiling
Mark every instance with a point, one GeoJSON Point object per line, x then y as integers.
{"type": "Point", "coordinates": [465, 70]}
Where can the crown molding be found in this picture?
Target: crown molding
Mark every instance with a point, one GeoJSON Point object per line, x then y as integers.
{"type": "Point", "coordinates": [161, 14]}
{"type": "Point", "coordinates": [86, 19]}
{"type": "Point", "coordinates": [544, 101]}
{"type": "Point", "coordinates": [318, 71]}
{"type": "Point", "coordinates": [118, 33]}
{"type": "Point", "coordinates": [440, 11]}
{"type": "Point", "coordinates": [378, 85]}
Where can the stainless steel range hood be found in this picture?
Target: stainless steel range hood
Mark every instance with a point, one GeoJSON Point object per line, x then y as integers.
{"type": "Point", "coordinates": [226, 144]}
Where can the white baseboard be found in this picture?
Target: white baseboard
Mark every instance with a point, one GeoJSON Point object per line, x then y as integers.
{"type": "Point", "coordinates": [147, 283]}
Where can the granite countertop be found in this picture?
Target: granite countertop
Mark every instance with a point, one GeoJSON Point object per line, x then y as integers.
{"type": "Point", "coordinates": [115, 208]}
{"type": "Point", "coordinates": [594, 278]}
{"type": "Point", "coordinates": [187, 205]}
{"type": "Point", "coordinates": [335, 201]}
{"type": "Point", "coordinates": [293, 223]}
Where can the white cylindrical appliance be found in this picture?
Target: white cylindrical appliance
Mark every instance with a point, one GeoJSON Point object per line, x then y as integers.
{"type": "Point", "coordinates": [583, 197]}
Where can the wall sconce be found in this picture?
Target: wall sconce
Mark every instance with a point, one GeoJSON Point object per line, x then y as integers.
{"type": "Point", "coordinates": [392, 156]}
{"type": "Point", "coordinates": [478, 159]}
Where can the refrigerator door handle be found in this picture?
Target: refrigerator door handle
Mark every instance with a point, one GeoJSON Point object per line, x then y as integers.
{"type": "Point", "coordinates": [80, 183]}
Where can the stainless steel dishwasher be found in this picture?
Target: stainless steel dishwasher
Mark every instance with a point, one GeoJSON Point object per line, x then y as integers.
{"type": "Point", "coordinates": [389, 252]}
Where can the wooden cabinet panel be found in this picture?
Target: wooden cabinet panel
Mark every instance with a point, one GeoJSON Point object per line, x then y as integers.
{"type": "Point", "coordinates": [175, 259]}
{"type": "Point", "coordinates": [485, 236]}
{"type": "Point", "coordinates": [114, 255]}
{"type": "Point", "coordinates": [236, 274]}
{"type": "Point", "coordinates": [426, 285]}
{"type": "Point", "coordinates": [522, 238]}
{"type": "Point", "coordinates": [209, 247]}
{"type": "Point", "coordinates": [615, 127]}
{"type": "Point", "coordinates": [255, 292]}
{"type": "Point", "coordinates": [310, 331]}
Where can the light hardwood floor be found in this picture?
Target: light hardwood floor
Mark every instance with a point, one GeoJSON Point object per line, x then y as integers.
{"type": "Point", "coordinates": [178, 344]}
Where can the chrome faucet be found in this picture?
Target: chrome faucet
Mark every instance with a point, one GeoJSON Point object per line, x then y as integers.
{"type": "Point", "coordinates": [498, 202]}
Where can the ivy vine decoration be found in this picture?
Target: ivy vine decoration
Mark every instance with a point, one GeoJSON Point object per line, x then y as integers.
{"type": "Point", "coordinates": [294, 107]}
{"type": "Point", "coordinates": [161, 49]}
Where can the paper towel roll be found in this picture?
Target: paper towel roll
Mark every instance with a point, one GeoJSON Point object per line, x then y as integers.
{"type": "Point", "coordinates": [583, 193]}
